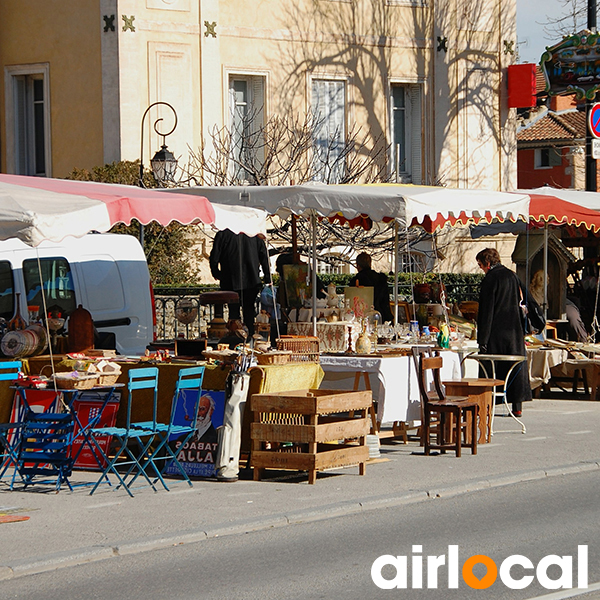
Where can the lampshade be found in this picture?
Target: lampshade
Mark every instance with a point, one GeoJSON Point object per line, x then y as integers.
{"type": "Point", "coordinates": [164, 164]}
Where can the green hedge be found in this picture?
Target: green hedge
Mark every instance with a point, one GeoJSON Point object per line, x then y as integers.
{"type": "Point", "coordinates": [459, 286]}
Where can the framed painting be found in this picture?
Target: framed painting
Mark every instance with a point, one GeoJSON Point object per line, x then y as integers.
{"type": "Point", "coordinates": [297, 285]}
{"type": "Point", "coordinates": [403, 312]}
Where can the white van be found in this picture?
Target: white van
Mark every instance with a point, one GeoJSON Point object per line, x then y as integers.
{"type": "Point", "coordinates": [106, 273]}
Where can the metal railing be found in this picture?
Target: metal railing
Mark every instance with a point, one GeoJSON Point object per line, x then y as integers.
{"type": "Point", "coordinates": [167, 301]}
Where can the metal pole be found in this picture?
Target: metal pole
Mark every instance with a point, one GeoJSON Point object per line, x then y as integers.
{"type": "Point", "coordinates": [591, 15]}
{"type": "Point", "coordinates": [590, 161]}
{"type": "Point", "coordinates": [546, 271]}
{"type": "Point", "coordinates": [313, 224]}
{"type": "Point", "coordinates": [396, 270]}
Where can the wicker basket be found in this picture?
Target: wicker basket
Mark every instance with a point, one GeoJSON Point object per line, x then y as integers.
{"type": "Point", "coordinates": [273, 358]}
{"type": "Point", "coordinates": [304, 348]}
{"type": "Point", "coordinates": [66, 381]}
{"type": "Point", "coordinates": [108, 378]}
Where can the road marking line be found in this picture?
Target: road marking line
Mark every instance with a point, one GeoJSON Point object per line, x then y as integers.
{"type": "Point", "coordinates": [568, 593]}
{"type": "Point", "coordinates": [535, 439]}
{"type": "Point", "coordinates": [105, 504]}
{"type": "Point", "coordinates": [578, 432]}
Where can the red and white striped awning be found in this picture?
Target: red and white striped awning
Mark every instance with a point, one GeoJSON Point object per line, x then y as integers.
{"type": "Point", "coordinates": [34, 209]}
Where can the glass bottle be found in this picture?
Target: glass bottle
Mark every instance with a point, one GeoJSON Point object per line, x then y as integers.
{"type": "Point", "coordinates": [374, 321]}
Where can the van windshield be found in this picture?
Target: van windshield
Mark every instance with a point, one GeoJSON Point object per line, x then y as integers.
{"type": "Point", "coordinates": [58, 284]}
{"type": "Point", "coordinates": [7, 304]}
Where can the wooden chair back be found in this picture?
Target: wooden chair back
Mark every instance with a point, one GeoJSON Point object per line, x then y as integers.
{"type": "Point", "coordinates": [434, 365]}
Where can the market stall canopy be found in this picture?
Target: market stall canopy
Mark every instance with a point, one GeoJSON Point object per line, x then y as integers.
{"type": "Point", "coordinates": [34, 209]}
{"type": "Point", "coordinates": [380, 202]}
{"type": "Point", "coordinates": [240, 219]}
{"type": "Point", "coordinates": [590, 200]}
{"type": "Point", "coordinates": [546, 208]}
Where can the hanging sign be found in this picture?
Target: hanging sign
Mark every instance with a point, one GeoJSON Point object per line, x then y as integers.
{"type": "Point", "coordinates": [572, 66]}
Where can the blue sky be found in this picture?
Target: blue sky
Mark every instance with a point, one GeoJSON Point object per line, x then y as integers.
{"type": "Point", "coordinates": [531, 14]}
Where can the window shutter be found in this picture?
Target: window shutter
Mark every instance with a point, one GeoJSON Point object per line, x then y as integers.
{"type": "Point", "coordinates": [416, 132]}
{"type": "Point", "coordinates": [21, 126]}
{"type": "Point", "coordinates": [258, 103]}
{"type": "Point", "coordinates": [257, 110]}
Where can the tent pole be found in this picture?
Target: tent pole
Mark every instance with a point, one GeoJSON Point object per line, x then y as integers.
{"type": "Point", "coordinates": [313, 225]}
{"type": "Point", "coordinates": [546, 271]}
{"type": "Point", "coordinates": [396, 270]}
{"type": "Point", "coordinates": [295, 240]}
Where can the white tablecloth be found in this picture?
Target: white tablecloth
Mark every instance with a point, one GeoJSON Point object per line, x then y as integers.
{"type": "Point", "coordinates": [395, 387]}
{"type": "Point", "coordinates": [540, 362]}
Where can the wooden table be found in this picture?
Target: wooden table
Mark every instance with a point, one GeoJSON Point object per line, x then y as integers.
{"type": "Point", "coordinates": [483, 388]}
{"type": "Point", "coordinates": [393, 380]}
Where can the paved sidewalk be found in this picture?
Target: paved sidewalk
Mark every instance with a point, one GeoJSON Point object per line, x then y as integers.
{"type": "Point", "coordinates": [73, 527]}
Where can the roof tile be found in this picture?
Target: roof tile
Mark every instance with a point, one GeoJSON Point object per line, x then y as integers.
{"type": "Point", "coordinates": [554, 127]}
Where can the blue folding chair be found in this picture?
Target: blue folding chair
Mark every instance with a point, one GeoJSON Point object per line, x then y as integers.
{"type": "Point", "coordinates": [184, 407]}
{"type": "Point", "coordinates": [142, 434]}
{"type": "Point", "coordinates": [10, 433]}
{"type": "Point", "coordinates": [44, 450]}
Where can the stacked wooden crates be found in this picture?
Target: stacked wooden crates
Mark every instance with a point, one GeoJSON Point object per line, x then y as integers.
{"type": "Point", "coordinates": [309, 430]}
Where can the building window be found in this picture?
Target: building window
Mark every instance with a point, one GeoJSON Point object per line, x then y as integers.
{"type": "Point", "coordinates": [332, 265]}
{"type": "Point", "coordinates": [28, 120]}
{"type": "Point", "coordinates": [413, 263]}
{"type": "Point", "coordinates": [546, 158]}
{"type": "Point", "coordinates": [329, 129]}
{"type": "Point", "coordinates": [247, 118]}
{"type": "Point", "coordinates": [405, 109]}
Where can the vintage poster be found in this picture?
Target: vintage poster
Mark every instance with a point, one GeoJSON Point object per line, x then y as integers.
{"type": "Point", "coordinates": [93, 409]}
{"type": "Point", "coordinates": [198, 455]}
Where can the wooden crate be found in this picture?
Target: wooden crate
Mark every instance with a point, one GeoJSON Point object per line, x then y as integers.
{"type": "Point", "coordinates": [306, 430]}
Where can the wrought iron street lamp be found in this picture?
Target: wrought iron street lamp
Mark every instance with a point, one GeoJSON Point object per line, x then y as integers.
{"type": "Point", "coordinates": [163, 163]}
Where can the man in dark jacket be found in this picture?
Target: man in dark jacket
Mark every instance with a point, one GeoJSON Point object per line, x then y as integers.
{"type": "Point", "coordinates": [500, 327]}
{"type": "Point", "coordinates": [367, 277]}
{"type": "Point", "coordinates": [235, 260]}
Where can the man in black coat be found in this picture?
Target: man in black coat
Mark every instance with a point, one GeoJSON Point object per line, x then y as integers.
{"type": "Point", "coordinates": [367, 277]}
{"type": "Point", "coordinates": [500, 326]}
{"type": "Point", "coordinates": [235, 260]}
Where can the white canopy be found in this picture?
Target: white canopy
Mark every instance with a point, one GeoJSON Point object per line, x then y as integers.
{"type": "Point", "coordinates": [240, 219]}
{"type": "Point", "coordinates": [402, 203]}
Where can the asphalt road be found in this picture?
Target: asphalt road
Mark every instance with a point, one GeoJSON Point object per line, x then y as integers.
{"type": "Point", "coordinates": [332, 559]}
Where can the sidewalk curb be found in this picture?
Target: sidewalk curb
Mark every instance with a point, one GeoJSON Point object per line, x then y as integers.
{"type": "Point", "coordinates": [71, 558]}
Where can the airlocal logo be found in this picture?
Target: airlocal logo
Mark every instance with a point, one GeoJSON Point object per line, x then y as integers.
{"type": "Point", "coordinates": [433, 563]}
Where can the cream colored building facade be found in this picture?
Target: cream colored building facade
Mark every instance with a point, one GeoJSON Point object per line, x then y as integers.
{"type": "Point", "coordinates": [427, 75]}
